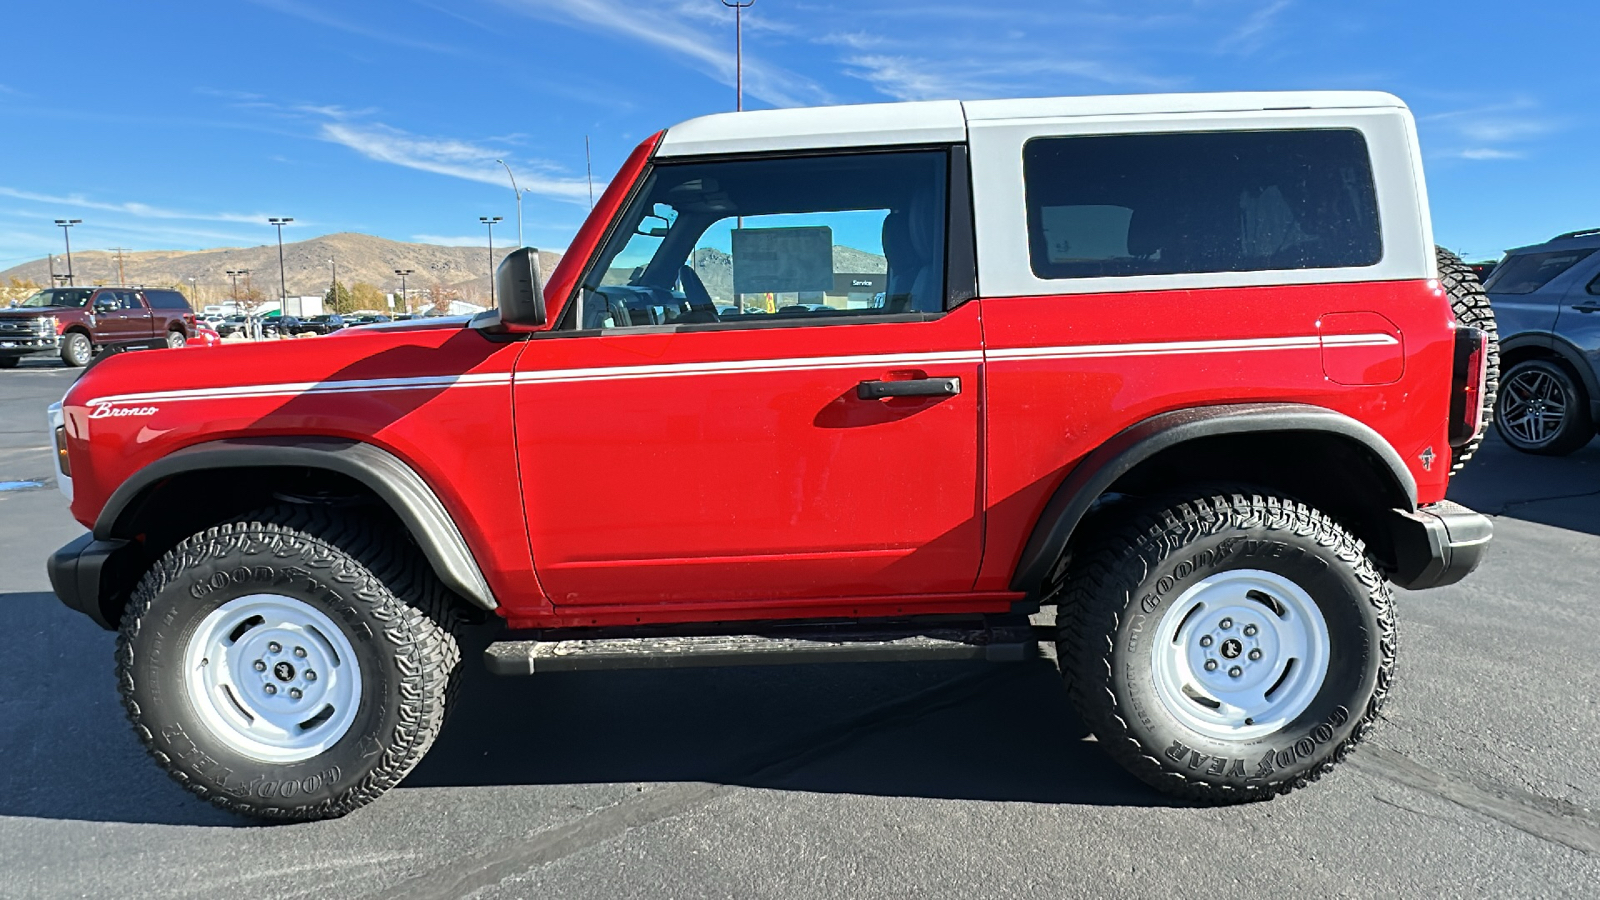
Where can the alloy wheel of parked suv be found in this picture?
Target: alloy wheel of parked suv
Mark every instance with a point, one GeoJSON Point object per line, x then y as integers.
{"type": "Point", "coordinates": [1543, 409]}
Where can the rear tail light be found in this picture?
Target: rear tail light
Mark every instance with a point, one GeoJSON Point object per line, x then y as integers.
{"type": "Point", "coordinates": [1469, 379]}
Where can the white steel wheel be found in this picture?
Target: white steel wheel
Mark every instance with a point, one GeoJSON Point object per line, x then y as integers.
{"type": "Point", "coordinates": [272, 678]}
{"type": "Point", "coordinates": [1240, 654]}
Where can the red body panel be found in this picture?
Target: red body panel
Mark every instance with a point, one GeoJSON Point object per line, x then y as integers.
{"type": "Point", "coordinates": [1046, 414]}
{"type": "Point", "coordinates": [662, 476]}
{"type": "Point", "coordinates": [730, 465]}
{"type": "Point", "coordinates": [457, 438]}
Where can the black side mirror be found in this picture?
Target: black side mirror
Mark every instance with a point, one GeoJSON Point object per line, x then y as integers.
{"type": "Point", "coordinates": [517, 289]}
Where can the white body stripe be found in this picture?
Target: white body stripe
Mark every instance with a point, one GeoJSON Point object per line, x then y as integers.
{"type": "Point", "coordinates": [812, 363]}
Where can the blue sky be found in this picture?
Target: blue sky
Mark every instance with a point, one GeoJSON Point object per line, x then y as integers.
{"type": "Point", "coordinates": [184, 124]}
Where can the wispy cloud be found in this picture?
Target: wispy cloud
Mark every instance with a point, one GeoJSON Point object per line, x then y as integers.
{"type": "Point", "coordinates": [1487, 153]}
{"type": "Point", "coordinates": [1494, 131]}
{"type": "Point", "coordinates": [321, 17]}
{"type": "Point", "coordinates": [1254, 31]}
{"type": "Point", "coordinates": [454, 158]}
{"type": "Point", "coordinates": [683, 34]}
{"type": "Point", "coordinates": [905, 77]}
{"type": "Point", "coordinates": [135, 209]}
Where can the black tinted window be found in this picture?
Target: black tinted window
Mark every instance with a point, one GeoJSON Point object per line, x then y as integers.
{"type": "Point", "coordinates": [1527, 272]}
{"type": "Point", "coordinates": [165, 300]}
{"type": "Point", "coordinates": [1158, 204]}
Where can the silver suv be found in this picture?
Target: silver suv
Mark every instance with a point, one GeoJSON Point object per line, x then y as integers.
{"type": "Point", "coordinates": [1546, 298]}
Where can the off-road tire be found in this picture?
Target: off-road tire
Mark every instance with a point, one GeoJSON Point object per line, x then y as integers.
{"type": "Point", "coordinates": [1577, 426]}
{"type": "Point", "coordinates": [1119, 588]}
{"type": "Point", "coordinates": [76, 349]}
{"type": "Point", "coordinates": [1471, 305]}
{"type": "Point", "coordinates": [176, 339]}
{"type": "Point", "coordinates": [364, 577]}
{"type": "Point", "coordinates": [10, 362]}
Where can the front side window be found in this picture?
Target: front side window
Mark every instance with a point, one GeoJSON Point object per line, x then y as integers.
{"type": "Point", "coordinates": [822, 239]}
{"type": "Point", "coordinates": [1162, 204]}
{"type": "Point", "coordinates": [1527, 272]}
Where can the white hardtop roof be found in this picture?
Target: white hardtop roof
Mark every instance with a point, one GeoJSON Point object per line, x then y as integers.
{"type": "Point", "coordinates": [945, 121]}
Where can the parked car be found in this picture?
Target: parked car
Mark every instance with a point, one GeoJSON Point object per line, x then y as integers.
{"type": "Point", "coordinates": [327, 324]}
{"type": "Point", "coordinates": [76, 323]}
{"type": "Point", "coordinates": [366, 320]}
{"type": "Point", "coordinates": [1546, 297]}
{"type": "Point", "coordinates": [235, 324]}
{"type": "Point", "coordinates": [274, 326]}
{"type": "Point", "coordinates": [1177, 366]}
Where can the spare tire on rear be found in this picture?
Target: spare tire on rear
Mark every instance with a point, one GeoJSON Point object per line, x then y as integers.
{"type": "Point", "coordinates": [1471, 306]}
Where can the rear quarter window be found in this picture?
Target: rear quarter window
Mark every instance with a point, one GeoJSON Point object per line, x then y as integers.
{"type": "Point", "coordinates": [166, 300]}
{"type": "Point", "coordinates": [1162, 204]}
{"type": "Point", "coordinates": [1528, 272]}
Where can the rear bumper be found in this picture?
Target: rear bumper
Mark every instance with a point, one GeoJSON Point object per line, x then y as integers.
{"type": "Point", "coordinates": [75, 575]}
{"type": "Point", "coordinates": [1439, 544]}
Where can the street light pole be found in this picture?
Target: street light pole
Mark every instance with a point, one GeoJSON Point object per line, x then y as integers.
{"type": "Point", "coordinates": [234, 275]}
{"type": "Point", "coordinates": [404, 306]}
{"type": "Point", "coordinates": [283, 278]}
{"type": "Point", "coordinates": [194, 290]}
{"type": "Point", "coordinates": [518, 192]}
{"type": "Point", "coordinates": [489, 221]}
{"type": "Point", "coordinates": [66, 224]}
{"type": "Point", "coordinates": [738, 7]}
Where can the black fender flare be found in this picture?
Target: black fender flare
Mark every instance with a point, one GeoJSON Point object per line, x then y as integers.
{"type": "Point", "coordinates": [1568, 353]}
{"type": "Point", "coordinates": [1101, 468]}
{"type": "Point", "coordinates": [386, 475]}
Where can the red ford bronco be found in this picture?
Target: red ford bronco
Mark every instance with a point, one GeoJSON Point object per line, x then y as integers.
{"type": "Point", "coordinates": [861, 383]}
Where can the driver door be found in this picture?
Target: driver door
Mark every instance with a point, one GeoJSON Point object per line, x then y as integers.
{"type": "Point", "coordinates": [755, 430]}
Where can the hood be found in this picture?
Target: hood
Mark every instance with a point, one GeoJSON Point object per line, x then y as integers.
{"type": "Point", "coordinates": [34, 311]}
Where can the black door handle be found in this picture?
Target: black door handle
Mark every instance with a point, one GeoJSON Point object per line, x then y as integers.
{"type": "Point", "coordinates": [1587, 307]}
{"type": "Point", "coordinates": [915, 387]}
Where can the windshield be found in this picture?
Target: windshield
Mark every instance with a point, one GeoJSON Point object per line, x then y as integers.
{"type": "Point", "coordinates": [75, 298]}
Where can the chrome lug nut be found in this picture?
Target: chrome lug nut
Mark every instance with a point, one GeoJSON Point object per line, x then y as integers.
{"type": "Point", "coordinates": [274, 647]}
{"type": "Point", "coordinates": [1255, 655]}
{"type": "Point", "coordinates": [1211, 665]}
{"type": "Point", "coordinates": [1249, 631]}
{"type": "Point", "coordinates": [300, 652]}
{"type": "Point", "coordinates": [1205, 641]}
{"type": "Point", "coordinates": [260, 666]}
{"type": "Point", "coordinates": [310, 675]}
{"type": "Point", "coordinates": [294, 693]}
{"type": "Point", "coordinates": [270, 689]}
{"type": "Point", "coordinates": [1235, 672]}
{"type": "Point", "coordinates": [1225, 624]}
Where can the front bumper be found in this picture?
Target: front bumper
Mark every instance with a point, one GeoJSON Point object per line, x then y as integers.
{"type": "Point", "coordinates": [14, 343]}
{"type": "Point", "coordinates": [77, 572]}
{"type": "Point", "coordinates": [1439, 544]}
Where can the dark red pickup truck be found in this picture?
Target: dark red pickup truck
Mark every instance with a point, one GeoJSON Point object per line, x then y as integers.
{"type": "Point", "coordinates": [79, 322]}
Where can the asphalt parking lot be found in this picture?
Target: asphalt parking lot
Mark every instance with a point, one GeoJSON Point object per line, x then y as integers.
{"type": "Point", "coordinates": [892, 780]}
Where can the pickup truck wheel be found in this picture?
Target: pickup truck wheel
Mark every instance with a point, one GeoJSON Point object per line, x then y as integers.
{"type": "Point", "coordinates": [293, 665]}
{"type": "Point", "coordinates": [1227, 648]}
{"type": "Point", "coordinates": [176, 339]}
{"type": "Point", "coordinates": [1471, 305]}
{"type": "Point", "coordinates": [76, 350]}
{"type": "Point", "coordinates": [1543, 409]}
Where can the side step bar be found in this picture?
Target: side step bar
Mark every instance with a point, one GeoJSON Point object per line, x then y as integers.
{"type": "Point", "coordinates": [1006, 643]}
